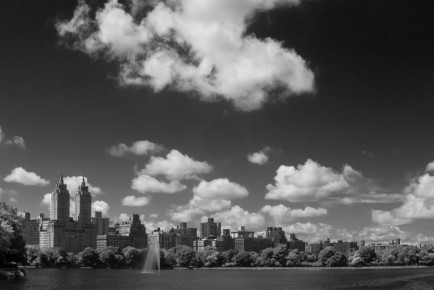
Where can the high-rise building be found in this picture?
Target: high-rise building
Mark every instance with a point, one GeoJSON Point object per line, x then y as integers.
{"type": "Point", "coordinates": [242, 233]}
{"type": "Point", "coordinates": [277, 235]}
{"type": "Point", "coordinates": [83, 204]}
{"type": "Point", "coordinates": [61, 230]}
{"type": "Point", "coordinates": [252, 244]}
{"type": "Point", "coordinates": [210, 228]}
{"type": "Point", "coordinates": [295, 243]}
{"type": "Point", "coordinates": [59, 203]}
{"type": "Point", "coordinates": [102, 224]}
{"type": "Point", "coordinates": [128, 233]}
{"type": "Point", "coordinates": [30, 230]}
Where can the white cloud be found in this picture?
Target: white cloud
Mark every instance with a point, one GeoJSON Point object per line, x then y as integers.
{"type": "Point", "coordinates": [74, 182]}
{"type": "Point", "coordinates": [312, 182]}
{"type": "Point", "coordinates": [131, 200]}
{"type": "Point", "coordinates": [196, 207]}
{"type": "Point", "coordinates": [282, 214]}
{"type": "Point", "coordinates": [220, 188]}
{"type": "Point", "coordinates": [430, 167]}
{"type": "Point", "coordinates": [20, 175]}
{"type": "Point", "coordinates": [260, 157]}
{"type": "Point", "coordinates": [192, 45]}
{"type": "Point", "coordinates": [46, 199]}
{"type": "Point", "coordinates": [148, 184]}
{"type": "Point", "coordinates": [123, 217]}
{"type": "Point", "coordinates": [138, 148]}
{"type": "Point", "coordinates": [2, 135]}
{"type": "Point", "coordinates": [208, 197]}
{"type": "Point", "coordinates": [163, 225]}
{"type": "Point", "coordinates": [153, 215]}
{"type": "Point", "coordinates": [16, 140]}
{"type": "Point", "coordinates": [102, 206]}
{"type": "Point", "coordinates": [11, 199]}
{"type": "Point", "coordinates": [237, 217]}
{"type": "Point", "coordinates": [418, 204]}
{"type": "Point", "coordinates": [176, 166]}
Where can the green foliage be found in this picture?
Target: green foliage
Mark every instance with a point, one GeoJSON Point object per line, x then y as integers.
{"type": "Point", "coordinates": [12, 245]}
{"type": "Point", "coordinates": [111, 257]}
{"type": "Point", "coordinates": [331, 258]}
{"type": "Point", "coordinates": [244, 259]}
{"type": "Point", "coordinates": [88, 258]}
{"type": "Point", "coordinates": [182, 256]}
{"type": "Point", "coordinates": [133, 257]}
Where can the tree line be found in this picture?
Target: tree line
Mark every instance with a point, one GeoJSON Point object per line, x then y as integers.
{"type": "Point", "coordinates": [184, 256]}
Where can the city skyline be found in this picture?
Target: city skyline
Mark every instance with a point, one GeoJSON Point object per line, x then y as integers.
{"type": "Point", "coordinates": [312, 116]}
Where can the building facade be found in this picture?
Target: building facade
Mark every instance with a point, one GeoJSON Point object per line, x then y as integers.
{"type": "Point", "coordinates": [210, 229]}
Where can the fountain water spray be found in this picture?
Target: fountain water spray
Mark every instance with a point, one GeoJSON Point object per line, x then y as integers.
{"type": "Point", "coordinates": [152, 263]}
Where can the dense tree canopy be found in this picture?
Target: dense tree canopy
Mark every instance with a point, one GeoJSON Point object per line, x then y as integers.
{"type": "Point", "coordinates": [12, 245]}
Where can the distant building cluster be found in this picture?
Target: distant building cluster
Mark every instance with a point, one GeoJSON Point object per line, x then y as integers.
{"type": "Point", "coordinates": [76, 233]}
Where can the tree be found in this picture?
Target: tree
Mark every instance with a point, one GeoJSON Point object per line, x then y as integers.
{"type": "Point", "coordinates": [267, 258]}
{"type": "Point", "coordinates": [111, 257]}
{"type": "Point", "coordinates": [133, 257]}
{"type": "Point", "coordinates": [12, 245]}
{"type": "Point", "coordinates": [367, 254]}
{"type": "Point", "coordinates": [243, 259]}
{"type": "Point", "coordinates": [228, 256]}
{"type": "Point", "coordinates": [32, 252]}
{"type": "Point", "coordinates": [88, 258]}
{"type": "Point", "coordinates": [279, 254]}
{"type": "Point", "coordinates": [331, 258]}
{"type": "Point", "coordinates": [184, 256]}
{"type": "Point", "coordinates": [294, 259]}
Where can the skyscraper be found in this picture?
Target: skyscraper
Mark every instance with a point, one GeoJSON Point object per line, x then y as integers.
{"type": "Point", "coordinates": [83, 204]}
{"type": "Point", "coordinates": [59, 203]}
{"type": "Point", "coordinates": [210, 228]}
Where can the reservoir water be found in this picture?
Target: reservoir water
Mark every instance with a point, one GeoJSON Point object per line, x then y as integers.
{"type": "Point", "coordinates": [312, 278]}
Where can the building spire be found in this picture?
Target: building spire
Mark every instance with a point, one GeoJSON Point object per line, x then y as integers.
{"type": "Point", "coordinates": [83, 183]}
{"type": "Point", "coordinates": [61, 178]}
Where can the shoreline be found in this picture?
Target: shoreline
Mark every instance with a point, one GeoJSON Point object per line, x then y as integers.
{"type": "Point", "coordinates": [306, 268]}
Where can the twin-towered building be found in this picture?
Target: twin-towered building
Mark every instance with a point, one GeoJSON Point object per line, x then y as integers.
{"type": "Point", "coordinates": [72, 234]}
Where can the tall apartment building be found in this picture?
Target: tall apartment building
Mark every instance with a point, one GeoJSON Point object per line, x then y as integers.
{"type": "Point", "coordinates": [128, 233]}
{"type": "Point", "coordinates": [61, 230]}
{"type": "Point", "coordinates": [59, 203]}
{"type": "Point", "coordinates": [30, 230]}
{"type": "Point", "coordinates": [252, 244]}
{"type": "Point", "coordinates": [277, 235]}
{"type": "Point", "coordinates": [102, 224]}
{"type": "Point", "coordinates": [210, 228]}
{"type": "Point", "coordinates": [83, 205]}
{"type": "Point", "coordinates": [295, 243]}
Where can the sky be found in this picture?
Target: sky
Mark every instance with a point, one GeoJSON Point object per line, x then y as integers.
{"type": "Point", "coordinates": [311, 115]}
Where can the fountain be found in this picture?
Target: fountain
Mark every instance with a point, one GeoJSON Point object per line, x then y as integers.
{"type": "Point", "coordinates": [152, 263]}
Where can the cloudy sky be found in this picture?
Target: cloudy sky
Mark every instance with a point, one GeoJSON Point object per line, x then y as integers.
{"type": "Point", "coordinates": [312, 115]}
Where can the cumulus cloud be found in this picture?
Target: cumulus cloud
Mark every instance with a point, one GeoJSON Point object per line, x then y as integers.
{"type": "Point", "coordinates": [196, 207]}
{"type": "Point", "coordinates": [74, 182]}
{"type": "Point", "coordinates": [153, 215]}
{"type": "Point", "coordinates": [418, 203]}
{"type": "Point", "coordinates": [282, 214]}
{"type": "Point", "coordinates": [138, 148]}
{"type": "Point", "coordinates": [192, 46]}
{"type": "Point", "coordinates": [163, 225]}
{"type": "Point", "coordinates": [208, 197]}
{"type": "Point", "coordinates": [102, 206]}
{"type": "Point", "coordinates": [131, 200]}
{"type": "Point", "coordinates": [46, 199]}
{"type": "Point", "coordinates": [236, 217]}
{"type": "Point", "coordinates": [260, 157]}
{"type": "Point", "coordinates": [148, 184]}
{"type": "Point", "coordinates": [22, 176]}
{"type": "Point", "coordinates": [313, 182]}
{"type": "Point", "coordinates": [16, 140]}
{"type": "Point", "coordinates": [176, 166]}
{"type": "Point", "coordinates": [430, 167]}
{"type": "Point", "coordinates": [220, 188]}
{"type": "Point", "coordinates": [11, 199]}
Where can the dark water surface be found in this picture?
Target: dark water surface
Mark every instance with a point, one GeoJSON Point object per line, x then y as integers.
{"type": "Point", "coordinates": [395, 278]}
